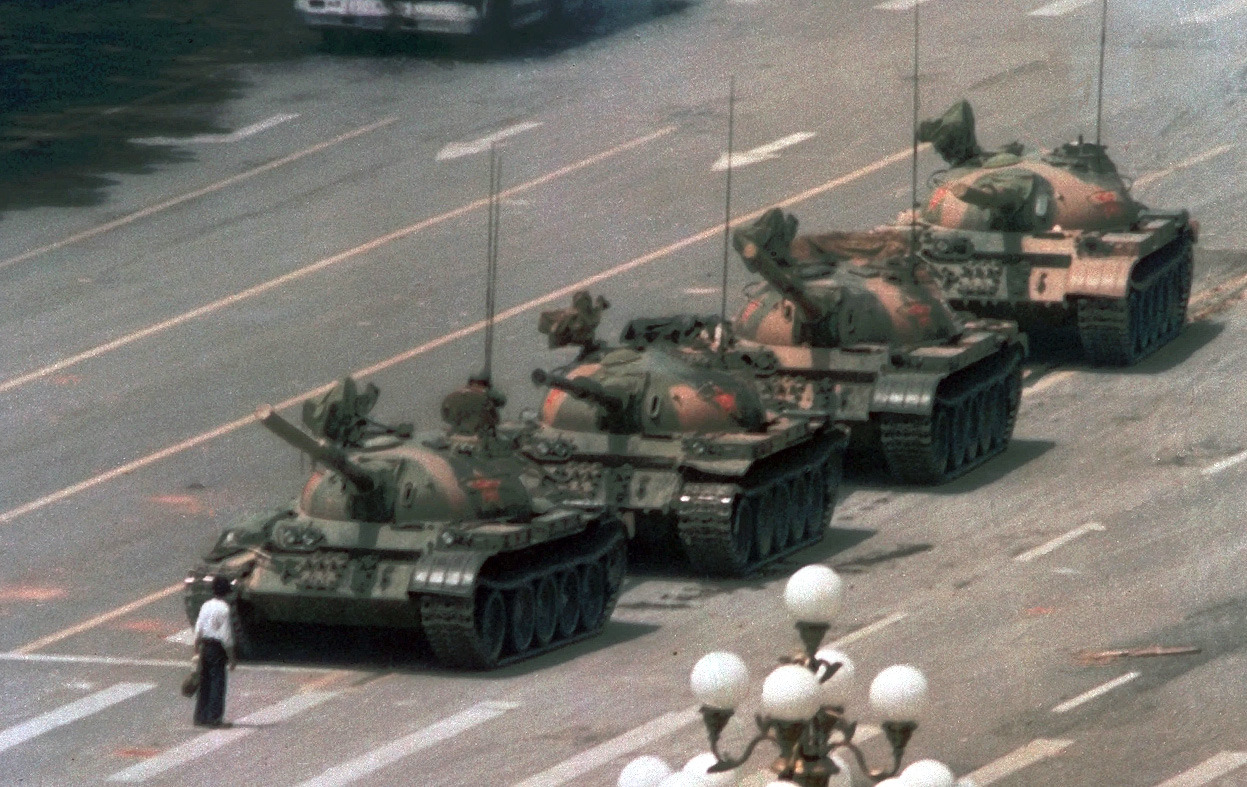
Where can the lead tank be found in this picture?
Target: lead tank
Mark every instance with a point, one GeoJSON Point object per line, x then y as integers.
{"type": "Point", "coordinates": [452, 536]}
{"type": "Point", "coordinates": [859, 329]}
{"type": "Point", "coordinates": [683, 450]}
{"type": "Point", "coordinates": [1055, 240]}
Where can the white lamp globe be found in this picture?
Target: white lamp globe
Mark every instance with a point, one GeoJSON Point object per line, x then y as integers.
{"type": "Point", "coordinates": [791, 693]}
{"type": "Point", "coordinates": [837, 688]}
{"type": "Point", "coordinates": [683, 779]}
{"type": "Point", "coordinates": [893, 782]}
{"type": "Point", "coordinates": [701, 765]}
{"type": "Point", "coordinates": [928, 773]}
{"type": "Point", "coordinates": [899, 693]}
{"type": "Point", "coordinates": [845, 777]}
{"type": "Point", "coordinates": [781, 783]}
{"type": "Point", "coordinates": [720, 680]}
{"type": "Point", "coordinates": [813, 594]}
{"type": "Point", "coordinates": [647, 771]}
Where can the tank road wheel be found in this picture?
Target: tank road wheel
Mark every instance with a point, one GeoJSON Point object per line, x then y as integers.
{"type": "Point", "coordinates": [545, 610]}
{"type": "Point", "coordinates": [491, 625]}
{"type": "Point", "coordinates": [972, 421]}
{"type": "Point", "coordinates": [569, 604]}
{"type": "Point", "coordinates": [592, 597]}
{"type": "Point", "coordinates": [832, 473]}
{"type": "Point", "coordinates": [522, 618]}
{"type": "Point", "coordinates": [985, 403]}
{"type": "Point", "coordinates": [799, 508]}
{"type": "Point", "coordinates": [764, 527]}
{"type": "Point", "coordinates": [815, 506]}
{"type": "Point", "coordinates": [785, 517]}
{"type": "Point", "coordinates": [615, 567]}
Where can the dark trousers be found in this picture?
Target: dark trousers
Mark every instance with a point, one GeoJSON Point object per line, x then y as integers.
{"type": "Point", "coordinates": [210, 704]}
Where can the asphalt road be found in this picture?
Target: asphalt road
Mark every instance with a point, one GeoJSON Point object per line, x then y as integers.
{"type": "Point", "coordinates": [329, 227]}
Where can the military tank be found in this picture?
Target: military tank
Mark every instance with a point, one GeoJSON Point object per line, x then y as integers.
{"type": "Point", "coordinates": [684, 451]}
{"type": "Point", "coordinates": [859, 329]}
{"type": "Point", "coordinates": [1055, 241]}
{"type": "Point", "coordinates": [452, 536]}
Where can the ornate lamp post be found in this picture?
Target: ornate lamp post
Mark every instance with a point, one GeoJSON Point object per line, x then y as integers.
{"type": "Point", "coordinates": [803, 710]}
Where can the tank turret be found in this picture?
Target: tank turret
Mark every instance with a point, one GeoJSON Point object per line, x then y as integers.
{"type": "Point", "coordinates": [838, 288]}
{"type": "Point", "coordinates": [455, 535]}
{"type": "Point", "coordinates": [680, 442]}
{"type": "Point", "coordinates": [1054, 240]}
{"type": "Point", "coordinates": [858, 328]}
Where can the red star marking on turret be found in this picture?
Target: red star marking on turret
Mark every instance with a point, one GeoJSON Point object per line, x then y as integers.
{"type": "Point", "coordinates": [749, 309]}
{"type": "Point", "coordinates": [487, 487]}
{"type": "Point", "coordinates": [937, 198]}
{"type": "Point", "coordinates": [726, 400]}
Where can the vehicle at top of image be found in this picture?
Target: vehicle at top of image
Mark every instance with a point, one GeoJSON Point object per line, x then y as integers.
{"type": "Point", "coordinates": [685, 451]}
{"type": "Point", "coordinates": [339, 18]}
{"type": "Point", "coordinates": [1055, 240]}
{"type": "Point", "coordinates": [452, 536]}
{"type": "Point", "coordinates": [859, 329]}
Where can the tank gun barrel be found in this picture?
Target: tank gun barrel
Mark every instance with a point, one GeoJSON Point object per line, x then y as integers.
{"type": "Point", "coordinates": [582, 388]}
{"type": "Point", "coordinates": [320, 450]}
{"type": "Point", "coordinates": [777, 268]}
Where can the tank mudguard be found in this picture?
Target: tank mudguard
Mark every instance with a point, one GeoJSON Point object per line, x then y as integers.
{"type": "Point", "coordinates": [905, 393]}
{"type": "Point", "coordinates": [447, 573]}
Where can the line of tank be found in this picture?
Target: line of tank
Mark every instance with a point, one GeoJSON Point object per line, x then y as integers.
{"type": "Point", "coordinates": [724, 440]}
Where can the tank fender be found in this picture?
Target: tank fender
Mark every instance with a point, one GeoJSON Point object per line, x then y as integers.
{"type": "Point", "coordinates": [905, 393]}
{"type": "Point", "coordinates": [447, 573]}
{"type": "Point", "coordinates": [1103, 276]}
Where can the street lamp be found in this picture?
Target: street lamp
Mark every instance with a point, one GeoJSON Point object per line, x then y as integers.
{"type": "Point", "coordinates": [803, 710]}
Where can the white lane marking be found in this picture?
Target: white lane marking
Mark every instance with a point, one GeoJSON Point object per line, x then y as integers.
{"type": "Point", "coordinates": [238, 297]}
{"type": "Point", "coordinates": [116, 661]}
{"type": "Point", "coordinates": [211, 741]}
{"type": "Point", "coordinates": [70, 713]}
{"type": "Point", "coordinates": [1151, 177]}
{"type": "Point", "coordinates": [1216, 12]}
{"type": "Point", "coordinates": [1046, 381]}
{"type": "Point", "coordinates": [124, 609]}
{"type": "Point", "coordinates": [460, 149]}
{"type": "Point", "coordinates": [1059, 541]}
{"type": "Point", "coordinates": [1031, 753]}
{"type": "Point", "coordinates": [603, 753]}
{"type": "Point", "coordinates": [899, 5]}
{"type": "Point", "coordinates": [190, 195]}
{"type": "Point", "coordinates": [1224, 464]}
{"type": "Point", "coordinates": [763, 152]}
{"type": "Point", "coordinates": [184, 637]}
{"type": "Point", "coordinates": [866, 631]}
{"type": "Point", "coordinates": [668, 724]}
{"type": "Point", "coordinates": [1212, 768]}
{"type": "Point", "coordinates": [1060, 7]}
{"type": "Point", "coordinates": [468, 330]}
{"type": "Point", "coordinates": [394, 751]}
{"type": "Point", "coordinates": [217, 139]}
{"type": "Point", "coordinates": [1096, 692]}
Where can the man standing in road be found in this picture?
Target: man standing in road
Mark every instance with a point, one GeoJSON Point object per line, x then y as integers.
{"type": "Point", "coordinates": [214, 643]}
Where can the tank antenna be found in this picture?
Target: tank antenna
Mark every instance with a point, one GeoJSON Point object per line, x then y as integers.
{"type": "Point", "coordinates": [1099, 98]}
{"type": "Point", "coordinates": [727, 209]}
{"type": "Point", "coordinates": [913, 168]}
{"type": "Point", "coordinates": [491, 258]}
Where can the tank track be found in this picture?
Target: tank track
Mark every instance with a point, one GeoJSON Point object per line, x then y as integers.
{"type": "Point", "coordinates": [1122, 331]}
{"type": "Point", "coordinates": [733, 529]}
{"type": "Point", "coordinates": [972, 421]}
{"type": "Point", "coordinates": [585, 579]}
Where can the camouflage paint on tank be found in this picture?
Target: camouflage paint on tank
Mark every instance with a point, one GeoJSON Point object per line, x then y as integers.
{"type": "Point", "coordinates": [1054, 240]}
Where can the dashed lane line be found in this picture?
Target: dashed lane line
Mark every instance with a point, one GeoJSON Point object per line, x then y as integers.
{"type": "Point", "coordinates": [238, 297]}
{"type": "Point", "coordinates": [1212, 768]}
{"type": "Point", "coordinates": [218, 139]}
{"type": "Point", "coordinates": [634, 739]}
{"type": "Point", "coordinates": [187, 197]}
{"type": "Point", "coordinates": [1060, 7]}
{"type": "Point", "coordinates": [1098, 691]}
{"type": "Point", "coordinates": [1152, 177]}
{"type": "Point", "coordinates": [85, 625]}
{"type": "Point", "coordinates": [209, 742]}
{"type": "Point", "coordinates": [866, 631]}
{"type": "Point", "coordinates": [1059, 541]}
{"type": "Point", "coordinates": [1228, 8]}
{"type": "Point", "coordinates": [1225, 464]}
{"type": "Point", "coordinates": [514, 311]}
{"type": "Point", "coordinates": [67, 714]}
{"type": "Point", "coordinates": [1016, 760]}
{"type": "Point", "coordinates": [761, 153]}
{"type": "Point", "coordinates": [392, 752]}
{"type": "Point", "coordinates": [460, 149]}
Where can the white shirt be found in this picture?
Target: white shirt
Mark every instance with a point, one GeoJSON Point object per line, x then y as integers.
{"type": "Point", "coordinates": [213, 622]}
